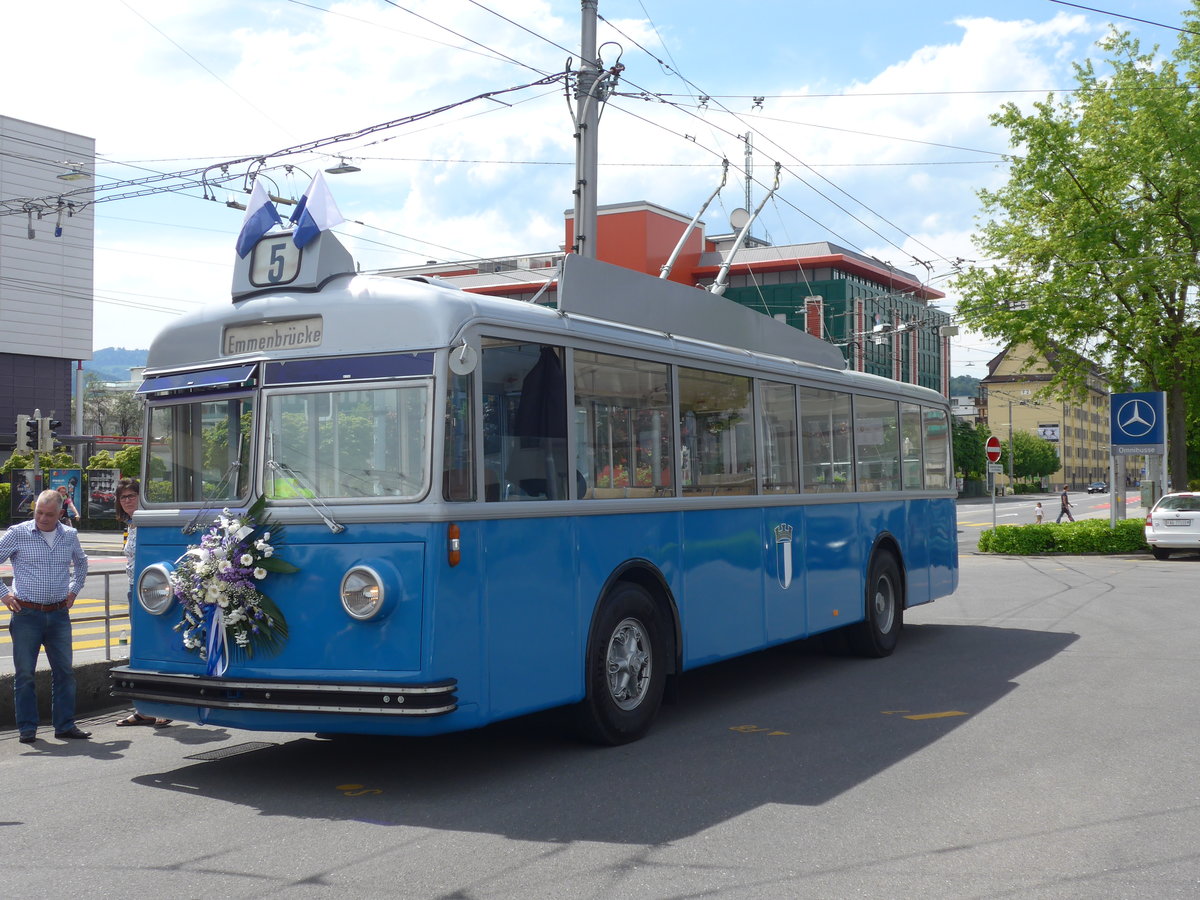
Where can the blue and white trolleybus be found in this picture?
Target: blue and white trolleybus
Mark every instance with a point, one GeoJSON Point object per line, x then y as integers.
{"type": "Point", "coordinates": [494, 507]}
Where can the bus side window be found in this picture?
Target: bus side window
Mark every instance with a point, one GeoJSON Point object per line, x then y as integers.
{"type": "Point", "coordinates": [877, 443]}
{"type": "Point", "coordinates": [825, 427]}
{"type": "Point", "coordinates": [458, 463]}
{"type": "Point", "coordinates": [623, 425]}
{"type": "Point", "coordinates": [717, 422]}
{"type": "Point", "coordinates": [524, 421]}
{"type": "Point", "coordinates": [910, 446]}
{"type": "Point", "coordinates": [780, 470]}
{"type": "Point", "coordinates": [937, 449]}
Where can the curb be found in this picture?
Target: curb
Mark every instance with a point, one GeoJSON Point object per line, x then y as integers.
{"type": "Point", "coordinates": [91, 692]}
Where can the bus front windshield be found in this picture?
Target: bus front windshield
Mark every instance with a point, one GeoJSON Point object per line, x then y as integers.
{"type": "Point", "coordinates": [331, 444]}
{"type": "Point", "coordinates": [198, 451]}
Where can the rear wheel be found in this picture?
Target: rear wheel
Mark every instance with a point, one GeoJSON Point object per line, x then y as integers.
{"type": "Point", "coordinates": [625, 668]}
{"type": "Point", "coordinates": [1160, 552]}
{"type": "Point", "coordinates": [877, 634]}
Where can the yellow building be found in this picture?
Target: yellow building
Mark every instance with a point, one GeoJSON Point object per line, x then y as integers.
{"type": "Point", "coordinates": [1014, 397]}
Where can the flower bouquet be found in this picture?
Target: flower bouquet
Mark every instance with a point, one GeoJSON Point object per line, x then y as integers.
{"type": "Point", "coordinates": [217, 582]}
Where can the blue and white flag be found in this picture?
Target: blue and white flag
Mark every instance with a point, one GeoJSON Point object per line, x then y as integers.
{"type": "Point", "coordinates": [261, 215]}
{"type": "Point", "coordinates": [316, 212]}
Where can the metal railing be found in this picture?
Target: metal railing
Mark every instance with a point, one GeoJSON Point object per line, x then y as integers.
{"type": "Point", "coordinates": [106, 617]}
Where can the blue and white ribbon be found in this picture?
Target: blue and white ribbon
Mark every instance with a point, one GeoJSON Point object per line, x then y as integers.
{"type": "Point", "coordinates": [218, 648]}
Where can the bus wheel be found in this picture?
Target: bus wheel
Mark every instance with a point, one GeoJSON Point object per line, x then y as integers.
{"type": "Point", "coordinates": [876, 635]}
{"type": "Point", "coordinates": [625, 668]}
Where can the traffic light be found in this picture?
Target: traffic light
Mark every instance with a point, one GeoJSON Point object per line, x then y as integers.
{"type": "Point", "coordinates": [22, 435]}
{"type": "Point", "coordinates": [32, 431]}
{"type": "Point", "coordinates": [47, 434]}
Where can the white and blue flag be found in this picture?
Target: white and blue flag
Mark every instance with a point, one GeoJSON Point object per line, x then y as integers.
{"type": "Point", "coordinates": [316, 212]}
{"type": "Point", "coordinates": [261, 215]}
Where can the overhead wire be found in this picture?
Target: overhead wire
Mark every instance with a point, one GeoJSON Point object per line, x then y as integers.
{"type": "Point", "coordinates": [486, 53]}
{"type": "Point", "coordinates": [437, 24]}
{"type": "Point", "coordinates": [216, 174]}
{"type": "Point", "coordinates": [738, 118]}
{"type": "Point", "coordinates": [671, 69]}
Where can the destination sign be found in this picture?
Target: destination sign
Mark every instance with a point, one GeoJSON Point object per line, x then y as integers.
{"type": "Point", "coordinates": [294, 334]}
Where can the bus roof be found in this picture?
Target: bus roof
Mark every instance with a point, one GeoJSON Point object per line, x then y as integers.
{"type": "Point", "coordinates": [341, 312]}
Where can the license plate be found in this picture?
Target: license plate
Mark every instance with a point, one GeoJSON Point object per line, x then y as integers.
{"type": "Point", "coordinates": [1177, 521]}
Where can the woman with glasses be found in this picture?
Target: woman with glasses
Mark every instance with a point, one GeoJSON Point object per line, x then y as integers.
{"type": "Point", "coordinates": [128, 498]}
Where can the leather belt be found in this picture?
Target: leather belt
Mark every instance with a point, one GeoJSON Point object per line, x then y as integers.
{"type": "Point", "coordinates": [42, 607]}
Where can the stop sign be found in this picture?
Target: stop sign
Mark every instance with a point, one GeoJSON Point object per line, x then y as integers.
{"type": "Point", "coordinates": [993, 449]}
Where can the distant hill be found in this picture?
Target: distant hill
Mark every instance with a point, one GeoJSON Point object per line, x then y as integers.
{"type": "Point", "coordinates": [964, 386]}
{"type": "Point", "coordinates": [114, 363]}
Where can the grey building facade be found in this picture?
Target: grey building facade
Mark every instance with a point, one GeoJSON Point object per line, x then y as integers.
{"type": "Point", "coordinates": [46, 267]}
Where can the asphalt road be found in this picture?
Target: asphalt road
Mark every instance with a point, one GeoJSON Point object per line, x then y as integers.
{"type": "Point", "coordinates": [976, 515]}
{"type": "Point", "coordinates": [1034, 736]}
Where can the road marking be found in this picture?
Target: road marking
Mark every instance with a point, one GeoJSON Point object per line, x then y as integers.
{"type": "Point", "coordinates": [356, 790]}
{"type": "Point", "coordinates": [89, 635]}
{"type": "Point", "coordinates": [938, 715]}
{"type": "Point", "coordinates": [756, 729]}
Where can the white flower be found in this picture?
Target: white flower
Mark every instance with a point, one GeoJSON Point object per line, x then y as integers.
{"type": "Point", "coordinates": [224, 565]}
{"type": "Point", "coordinates": [266, 536]}
{"type": "Point", "coordinates": [200, 553]}
{"type": "Point", "coordinates": [246, 560]}
{"type": "Point", "coordinates": [260, 573]}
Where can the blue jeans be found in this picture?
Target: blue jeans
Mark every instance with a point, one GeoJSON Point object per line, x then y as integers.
{"type": "Point", "coordinates": [31, 630]}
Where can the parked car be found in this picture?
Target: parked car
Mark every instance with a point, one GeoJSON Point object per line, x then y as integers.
{"type": "Point", "coordinates": [1174, 524]}
{"type": "Point", "coordinates": [1098, 487]}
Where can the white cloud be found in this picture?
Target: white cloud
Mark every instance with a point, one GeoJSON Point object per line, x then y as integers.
{"type": "Point", "coordinates": [266, 76]}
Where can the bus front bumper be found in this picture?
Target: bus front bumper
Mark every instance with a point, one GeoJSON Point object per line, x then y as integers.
{"type": "Point", "coordinates": [435, 699]}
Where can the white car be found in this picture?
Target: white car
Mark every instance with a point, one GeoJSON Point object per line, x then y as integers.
{"type": "Point", "coordinates": [1174, 524]}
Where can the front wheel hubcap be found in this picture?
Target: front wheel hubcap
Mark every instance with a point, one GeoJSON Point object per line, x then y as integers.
{"type": "Point", "coordinates": [628, 664]}
{"type": "Point", "coordinates": [884, 601]}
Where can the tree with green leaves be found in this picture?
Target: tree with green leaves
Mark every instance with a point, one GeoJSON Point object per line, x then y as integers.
{"type": "Point", "coordinates": [970, 458]}
{"type": "Point", "coordinates": [1032, 456]}
{"type": "Point", "coordinates": [1095, 238]}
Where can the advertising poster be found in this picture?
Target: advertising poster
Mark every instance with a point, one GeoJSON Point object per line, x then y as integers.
{"type": "Point", "coordinates": [23, 493]}
{"type": "Point", "coordinates": [72, 480]}
{"type": "Point", "coordinates": [102, 493]}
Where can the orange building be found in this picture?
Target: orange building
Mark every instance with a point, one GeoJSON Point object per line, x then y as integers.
{"type": "Point", "coordinates": [880, 316]}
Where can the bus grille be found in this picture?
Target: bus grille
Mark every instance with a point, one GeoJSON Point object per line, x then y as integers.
{"type": "Point", "coordinates": [435, 699]}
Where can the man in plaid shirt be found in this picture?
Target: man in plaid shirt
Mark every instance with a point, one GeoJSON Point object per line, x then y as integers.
{"type": "Point", "coordinates": [43, 553]}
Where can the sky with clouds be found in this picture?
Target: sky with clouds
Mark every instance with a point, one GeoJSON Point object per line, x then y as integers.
{"type": "Point", "coordinates": [877, 110]}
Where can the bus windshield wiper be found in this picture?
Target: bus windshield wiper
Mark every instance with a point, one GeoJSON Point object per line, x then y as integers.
{"type": "Point", "coordinates": [308, 493]}
{"type": "Point", "coordinates": [218, 491]}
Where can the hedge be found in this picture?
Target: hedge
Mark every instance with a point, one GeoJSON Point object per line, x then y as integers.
{"type": "Point", "coordinates": [1086, 536]}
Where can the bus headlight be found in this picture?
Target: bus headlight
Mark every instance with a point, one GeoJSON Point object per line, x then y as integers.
{"type": "Point", "coordinates": [362, 592]}
{"type": "Point", "coordinates": [154, 589]}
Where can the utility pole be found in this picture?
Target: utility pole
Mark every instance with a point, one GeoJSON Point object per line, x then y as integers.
{"type": "Point", "coordinates": [588, 87]}
{"type": "Point", "coordinates": [749, 170]}
{"type": "Point", "coordinates": [1012, 484]}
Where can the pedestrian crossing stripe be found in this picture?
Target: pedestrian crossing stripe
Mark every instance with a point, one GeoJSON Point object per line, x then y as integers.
{"type": "Point", "coordinates": [89, 635]}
